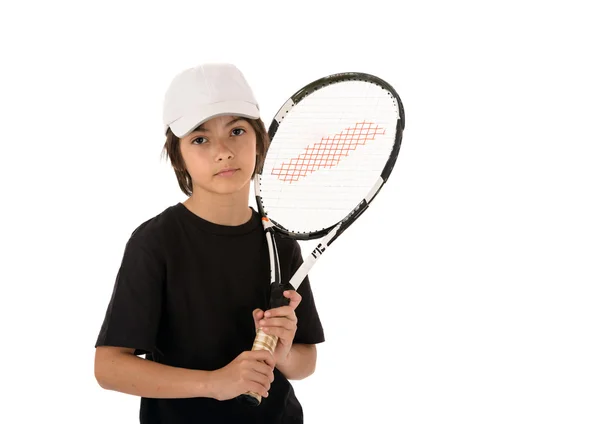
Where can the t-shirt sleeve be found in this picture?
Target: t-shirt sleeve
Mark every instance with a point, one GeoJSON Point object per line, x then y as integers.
{"type": "Point", "coordinates": [133, 314]}
{"type": "Point", "coordinates": [309, 328]}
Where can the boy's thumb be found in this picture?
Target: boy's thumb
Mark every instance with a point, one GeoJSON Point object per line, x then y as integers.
{"type": "Point", "coordinates": [257, 314]}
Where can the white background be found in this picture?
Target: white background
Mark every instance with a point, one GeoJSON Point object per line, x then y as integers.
{"type": "Point", "coordinates": [468, 293]}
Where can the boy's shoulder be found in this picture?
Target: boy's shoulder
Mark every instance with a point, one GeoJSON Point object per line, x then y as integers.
{"type": "Point", "coordinates": [287, 247]}
{"type": "Point", "coordinates": [157, 226]}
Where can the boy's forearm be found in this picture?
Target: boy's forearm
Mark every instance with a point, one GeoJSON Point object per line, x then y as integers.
{"type": "Point", "coordinates": [300, 363]}
{"type": "Point", "coordinates": [127, 373]}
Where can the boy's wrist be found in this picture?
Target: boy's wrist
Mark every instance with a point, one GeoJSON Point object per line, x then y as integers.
{"type": "Point", "coordinates": [205, 384]}
{"type": "Point", "coordinates": [283, 363]}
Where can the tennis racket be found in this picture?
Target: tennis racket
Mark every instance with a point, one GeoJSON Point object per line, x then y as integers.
{"type": "Point", "coordinates": [333, 145]}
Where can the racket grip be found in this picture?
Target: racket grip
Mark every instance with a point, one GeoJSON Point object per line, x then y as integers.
{"type": "Point", "coordinates": [262, 341]}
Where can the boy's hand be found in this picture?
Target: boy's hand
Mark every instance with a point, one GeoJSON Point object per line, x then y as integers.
{"type": "Point", "coordinates": [280, 322]}
{"type": "Point", "coordinates": [251, 371]}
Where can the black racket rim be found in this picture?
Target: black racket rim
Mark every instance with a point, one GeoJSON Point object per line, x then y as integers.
{"type": "Point", "coordinates": [296, 98]}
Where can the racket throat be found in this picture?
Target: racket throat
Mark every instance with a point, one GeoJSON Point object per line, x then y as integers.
{"type": "Point", "coordinates": [274, 258]}
{"type": "Point", "coordinates": [277, 287]}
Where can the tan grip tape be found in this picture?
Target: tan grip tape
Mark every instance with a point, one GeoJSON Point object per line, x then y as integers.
{"type": "Point", "coordinates": [263, 341]}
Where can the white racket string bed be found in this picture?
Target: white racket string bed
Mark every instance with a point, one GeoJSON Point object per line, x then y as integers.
{"type": "Point", "coordinates": [333, 146]}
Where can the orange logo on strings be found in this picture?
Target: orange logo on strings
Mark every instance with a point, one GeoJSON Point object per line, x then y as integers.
{"type": "Point", "coordinates": [328, 152]}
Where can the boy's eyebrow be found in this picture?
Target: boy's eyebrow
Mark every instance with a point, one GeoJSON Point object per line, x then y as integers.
{"type": "Point", "coordinates": [233, 121]}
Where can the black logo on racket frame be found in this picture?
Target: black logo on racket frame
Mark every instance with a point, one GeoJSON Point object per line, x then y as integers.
{"type": "Point", "coordinates": [318, 251]}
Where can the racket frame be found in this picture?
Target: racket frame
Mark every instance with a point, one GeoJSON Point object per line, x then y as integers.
{"type": "Point", "coordinates": [329, 234]}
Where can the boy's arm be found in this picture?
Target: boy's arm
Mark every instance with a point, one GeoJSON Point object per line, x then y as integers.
{"type": "Point", "coordinates": [300, 362]}
{"type": "Point", "coordinates": [120, 370]}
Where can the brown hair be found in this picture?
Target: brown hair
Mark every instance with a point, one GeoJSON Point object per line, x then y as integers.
{"type": "Point", "coordinates": [172, 151]}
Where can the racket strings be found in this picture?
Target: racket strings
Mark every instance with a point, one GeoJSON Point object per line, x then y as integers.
{"type": "Point", "coordinates": [327, 155]}
{"type": "Point", "coordinates": [328, 152]}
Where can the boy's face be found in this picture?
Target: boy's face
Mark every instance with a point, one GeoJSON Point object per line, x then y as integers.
{"type": "Point", "coordinates": [220, 155]}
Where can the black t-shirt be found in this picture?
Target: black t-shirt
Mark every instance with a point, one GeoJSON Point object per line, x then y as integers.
{"type": "Point", "coordinates": [184, 296]}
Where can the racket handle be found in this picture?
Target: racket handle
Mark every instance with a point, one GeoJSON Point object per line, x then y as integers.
{"type": "Point", "coordinates": [262, 341]}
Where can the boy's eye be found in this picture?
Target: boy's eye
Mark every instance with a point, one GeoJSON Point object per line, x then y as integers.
{"type": "Point", "coordinates": [238, 131]}
{"type": "Point", "coordinates": [199, 140]}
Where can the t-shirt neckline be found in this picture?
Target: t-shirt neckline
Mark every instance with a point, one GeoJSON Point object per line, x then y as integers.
{"type": "Point", "coordinates": [219, 229]}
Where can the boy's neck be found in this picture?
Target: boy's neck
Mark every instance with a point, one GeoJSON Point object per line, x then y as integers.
{"type": "Point", "coordinates": [229, 210]}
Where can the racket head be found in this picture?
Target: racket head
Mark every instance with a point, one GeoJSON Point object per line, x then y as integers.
{"type": "Point", "coordinates": [333, 144]}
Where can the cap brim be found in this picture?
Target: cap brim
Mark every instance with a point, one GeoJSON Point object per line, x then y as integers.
{"type": "Point", "coordinates": [186, 124]}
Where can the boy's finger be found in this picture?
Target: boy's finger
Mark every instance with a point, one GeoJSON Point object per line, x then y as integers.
{"type": "Point", "coordinates": [294, 296]}
{"type": "Point", "coordinates": [257, 314]}
{"type": "Point", "coordinates": [282, 311]}
{"type": "Point", "coordinates": [283, 322]}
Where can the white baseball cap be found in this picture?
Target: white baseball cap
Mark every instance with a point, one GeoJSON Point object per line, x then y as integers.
{"type": "Point", "coordinates": [204, 92]}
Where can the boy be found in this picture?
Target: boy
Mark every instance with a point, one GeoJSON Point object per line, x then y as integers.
{"type": "Point", "coordinates": [193, 285]}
